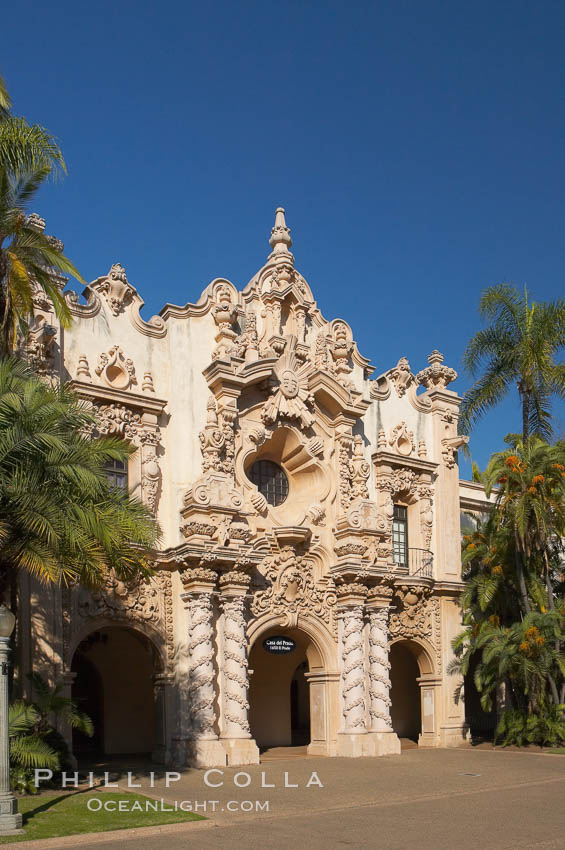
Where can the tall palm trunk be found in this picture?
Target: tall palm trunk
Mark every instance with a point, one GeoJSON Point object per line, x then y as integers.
{"type": "Point", "coordinates": [520, 574]}
{"type": "Point", "coordinates": [525, 396]}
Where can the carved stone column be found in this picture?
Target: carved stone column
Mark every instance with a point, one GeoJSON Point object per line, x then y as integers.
{"type": "Point", "coordinates": [384, 739]}
{"type": "Point", "coordinates": [351, 738]}
{"type": "Point", "coordinates": [236, 737]}
{"type": "Point", "coordinates": [204, 748]}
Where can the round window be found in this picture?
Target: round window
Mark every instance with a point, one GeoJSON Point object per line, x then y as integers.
{"type": "Point", "coordinates": [270, 480]}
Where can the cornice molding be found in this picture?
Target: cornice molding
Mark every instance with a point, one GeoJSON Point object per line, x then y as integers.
{"type": "Point", "coordinates": [97, 392]}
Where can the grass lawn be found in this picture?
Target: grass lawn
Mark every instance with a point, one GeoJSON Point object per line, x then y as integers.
{"type": "Point", "coordinates": [68, 814]}
{"type": "Point", "coordinates": [558, 750]}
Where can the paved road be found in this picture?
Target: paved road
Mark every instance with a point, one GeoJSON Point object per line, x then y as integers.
{"type": "Point", "coordinates": [427, 799]}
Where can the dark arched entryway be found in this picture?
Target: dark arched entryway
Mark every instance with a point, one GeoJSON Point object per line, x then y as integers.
{"type": "Point", "coordinates": [114, 684]}
{"type": "Point", "coordinates": [406, 713]}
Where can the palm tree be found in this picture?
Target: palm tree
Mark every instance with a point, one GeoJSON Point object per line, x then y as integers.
{"type": "Point", "coordinates": [519, 346]}
{"type": "Point", "coordinates": [26, 148]}
{"type": "Point", "coordinates": [28, 257]}
{"type": "Point", "coordinates": [530, 498]}
{"type": "Point", "coordinates": [60, 520]}
{"type": "Point", "coordinates": [28, 749]}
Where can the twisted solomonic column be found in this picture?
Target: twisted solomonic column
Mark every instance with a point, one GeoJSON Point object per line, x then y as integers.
{"type": "Point", "coordinates": [236, 736]}
{"type": "Point", "coordinates": [384, 739]}
{"type": "Point", "coordinates": [202, 676]}
{"type": "Point", "coordinates": [199, 584]}
{"type": "Point", "coordinates": [379, 667]}
{"type": "Point", "coordinates": [233, 587]}
{"type": "Point", "coordinates": [350, 601]}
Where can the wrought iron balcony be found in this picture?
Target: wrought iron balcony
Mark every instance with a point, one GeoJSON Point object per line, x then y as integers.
{"type": "Point", "coordinates": [415, 562]}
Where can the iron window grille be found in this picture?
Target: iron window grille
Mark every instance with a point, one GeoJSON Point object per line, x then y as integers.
{"type": "Point", "coordinates": [270, 480]}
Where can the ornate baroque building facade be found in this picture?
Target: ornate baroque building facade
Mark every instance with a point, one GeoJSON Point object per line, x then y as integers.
{"type": "Point", "coordinates": [303, 497]}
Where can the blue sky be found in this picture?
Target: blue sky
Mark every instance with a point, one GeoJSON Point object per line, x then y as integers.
{"type": "Point", "coordinates": [417, 147]}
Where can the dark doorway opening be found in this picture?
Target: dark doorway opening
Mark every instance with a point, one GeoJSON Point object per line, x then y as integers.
{"type": "Point", "coordinates": [406, 713]}
{"type": "Point", "coordinates": [88, 693]}
{"type": "Point", "coordinates": [115, 669]}
{"type": "Point", "coordinates": [300, 706]}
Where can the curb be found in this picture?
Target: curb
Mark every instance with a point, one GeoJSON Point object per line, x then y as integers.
{"type": "Point", "coordinates": [109, 835]}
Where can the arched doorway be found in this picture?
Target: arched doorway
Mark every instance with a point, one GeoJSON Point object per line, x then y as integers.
{"type": "Point", "coordinates": [412, 692]}
{"type": "Point", "coordinates": [115, 669]}
{"type": "Point", "coordinates": [279, 690]}
{"type": "Point", "coordinates": [405, 711]}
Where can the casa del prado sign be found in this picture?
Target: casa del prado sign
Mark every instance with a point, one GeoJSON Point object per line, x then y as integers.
{"type": "Point", "coordinates": [306, 589]}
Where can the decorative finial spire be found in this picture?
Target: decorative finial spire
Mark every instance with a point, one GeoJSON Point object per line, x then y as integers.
{"type": "Point", "coordinates": [280, 240]}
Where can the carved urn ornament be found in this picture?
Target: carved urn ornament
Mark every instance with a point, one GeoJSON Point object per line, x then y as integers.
{"type": "Point", "coordinates": [436, 376]}
{"type": "Point", "coordinates": [225, 311]}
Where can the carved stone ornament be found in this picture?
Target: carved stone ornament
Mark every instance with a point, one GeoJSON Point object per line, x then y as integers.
{"type": "Point", "coordinates": [436, 376]}
{"type": "Point", "coordinates": [214, 489]}
{"type": "Point", "coordinates": [360, 470]}
{"type": "Point", "coordinates": [404, 481]}
{"type": "Point", "coordinates": [322, 359]}
{"type": "Point", "coordinates": [150, 478]}
{"type": "Point", "coordinates": [364, 514]}
{"type": "Point", "coordinates": [142, 601]}
{"type": "Point", "coordinates": [316, 514]}
{"type": "Point", "coordinates": [117, 289]}
{"type": "Point", "coordinates": [449, 449]}
{"type": "Point", "coordinates": [258, 435]}
{"type": "Point", "coordinates": [39, 348]}
{"type": "Point", "coordinates": [288, 589]}
{"type": "Point", "coordinates": [341, 347]}
{"type": "Point", "coordinates": [290, 399]}
{"type": "Point", "coordinates": [401, 376]}
{"type": "Point", "coordinates": [119, 420]}
{"type": "Point", "coordinates": [224, 311]}
{"type": "Point", "coordinates": [198, 575]}
{"type": "Point", "coordinates": [402, 440]}
{"type": "Point", "coordinates": [235, 578]}
{"type": "Point", "coordinates": [246, 345]}
{"type": "Point", "coordinates": [83, 369]}
{"type": "Point", "coordinates": [116, 369]}
{"type": "Point", "coordinates": [204, 529]}
{"type": "Point", "coordinates": [416, 615]}
{"type": "Point", "coordinates": [217, 442]}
